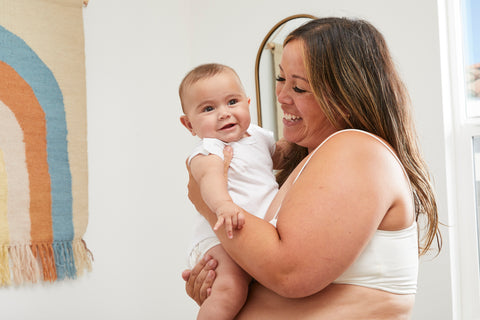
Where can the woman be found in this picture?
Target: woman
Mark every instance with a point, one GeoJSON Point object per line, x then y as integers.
{"type": "Point", "coordinates": [345, 244]}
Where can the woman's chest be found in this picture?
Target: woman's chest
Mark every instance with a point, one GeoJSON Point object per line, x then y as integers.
{"type": "Point", "coordinates": [276, 204]}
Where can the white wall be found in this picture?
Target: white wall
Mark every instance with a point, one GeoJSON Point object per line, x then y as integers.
{"type": "Point", "coordinates": [137, 53]}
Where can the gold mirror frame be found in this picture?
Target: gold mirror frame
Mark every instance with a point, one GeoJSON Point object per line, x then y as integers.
{"type": "Point", "coordinates": [259, 55]}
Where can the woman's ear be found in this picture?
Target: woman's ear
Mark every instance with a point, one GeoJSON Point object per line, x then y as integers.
{"type": "Point", "coordinates": [187, 124]}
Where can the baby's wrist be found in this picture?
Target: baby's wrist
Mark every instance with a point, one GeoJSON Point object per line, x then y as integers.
{"type": "Point", "coordinates": [224, 206]}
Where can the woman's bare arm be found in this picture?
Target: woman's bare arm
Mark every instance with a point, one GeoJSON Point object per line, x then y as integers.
{"type": "Point", "coordinates": [326, 219]}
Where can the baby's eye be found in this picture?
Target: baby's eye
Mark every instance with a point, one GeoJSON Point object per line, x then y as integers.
{"type": "Point", "coordinates": [232, 102]}
{"type": "Point", "coordinates": [280, 78]}
{"type": "Point", "coordinates": [298, 90]}
{"type": "Point", "coordinates": [207, 109]}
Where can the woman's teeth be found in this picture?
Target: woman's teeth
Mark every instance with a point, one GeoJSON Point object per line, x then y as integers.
{"type": "Point", "coordinates": [291, 117]}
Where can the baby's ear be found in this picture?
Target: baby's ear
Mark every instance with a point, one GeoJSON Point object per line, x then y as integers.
{"type": "Point", "coordinates": [187, 124]}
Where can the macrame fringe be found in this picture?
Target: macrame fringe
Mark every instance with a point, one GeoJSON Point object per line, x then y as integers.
{"type": "Point", "coordinates": [50, 262]}
{"type": "Point", "coordinates": [24, 264]}
{"type": "Point", "coordinates": [45, 255]}
{"type": "Point", "coordinates": [83, 257]}
{"type": "Point", "coordinates": [4, 267]}
{"type": "Point", "coordinates": [64, 263]}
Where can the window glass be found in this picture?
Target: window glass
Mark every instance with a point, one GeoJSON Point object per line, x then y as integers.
{"type": "Point", "coordinates": [471, 25]}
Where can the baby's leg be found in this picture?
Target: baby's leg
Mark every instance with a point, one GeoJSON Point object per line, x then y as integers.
{"type": "Point", "coordinates": [229, 291]}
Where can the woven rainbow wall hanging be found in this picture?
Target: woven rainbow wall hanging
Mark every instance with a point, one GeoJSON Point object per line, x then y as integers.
{"type": "Point", "coordinates": [43, 147]}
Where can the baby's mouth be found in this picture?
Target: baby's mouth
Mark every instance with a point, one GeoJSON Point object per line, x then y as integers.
{"type": "Point", "coordinates": [291, 117]}
{"type": "Point", "coordinates": [228, 126]}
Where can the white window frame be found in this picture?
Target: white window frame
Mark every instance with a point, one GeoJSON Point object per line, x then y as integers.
{"type": "Point", "coordinates": [459, 130]}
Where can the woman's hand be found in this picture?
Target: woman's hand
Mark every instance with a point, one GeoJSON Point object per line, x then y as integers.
{"type": "Point", "coordinates": [200, 279]}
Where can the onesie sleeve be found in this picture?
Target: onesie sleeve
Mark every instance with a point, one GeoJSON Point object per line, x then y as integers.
{"type": "Point", "coordinates": [266, 136]}
{"type": "Point", "coordinates": [208, 146]}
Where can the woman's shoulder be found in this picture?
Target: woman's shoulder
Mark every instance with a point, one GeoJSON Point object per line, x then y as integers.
{"type": "Point", "coordinates": [354, 151]}
{"type": "Point", "coordinates": [355, 136]}
{"type": "Point", "coordinates": [351, 142]}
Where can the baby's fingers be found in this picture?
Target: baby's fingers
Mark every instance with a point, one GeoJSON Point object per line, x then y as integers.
{"type": "Point", "coordinates": [219, 223]}
{"type": "Point", "coordinates": [229, 228]}
{"type": "Point", "coordinates": [234, 221]}
{"type": "Point", "coordinates": [240, 220]}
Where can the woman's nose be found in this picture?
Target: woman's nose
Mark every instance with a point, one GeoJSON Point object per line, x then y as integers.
{"type": "Point", "coordinates": [282, 94]}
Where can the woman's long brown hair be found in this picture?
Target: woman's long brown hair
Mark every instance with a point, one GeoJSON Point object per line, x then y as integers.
{"type": "Point", "coordinates": [355, 82]}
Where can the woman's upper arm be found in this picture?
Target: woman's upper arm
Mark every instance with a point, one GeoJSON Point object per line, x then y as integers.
{"type": "Point", "coordinates": [331, 212]}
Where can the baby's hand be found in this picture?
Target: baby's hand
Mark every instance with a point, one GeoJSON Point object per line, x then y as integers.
{"type": "Point", "coordinates": [231, 215]}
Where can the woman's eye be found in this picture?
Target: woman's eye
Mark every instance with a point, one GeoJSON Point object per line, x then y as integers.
{"type": "Point", "coordinates": [208, 109]}
{"type": "Point", "coordinates": [232, 102]}
{"type": "Point", "coordinates": [279, 79]}
{"type": "Point", "coordinates": [298, 90]}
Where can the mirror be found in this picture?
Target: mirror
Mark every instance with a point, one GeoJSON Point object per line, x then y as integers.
{"type": "Point", "coordinates": [266, 70]}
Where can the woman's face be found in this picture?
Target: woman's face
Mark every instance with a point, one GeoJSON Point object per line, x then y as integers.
{"type": "Point", "coordinates": [304, 121]}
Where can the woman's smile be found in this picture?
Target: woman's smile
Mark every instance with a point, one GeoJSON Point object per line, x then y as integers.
{"type": "Point", "coordinates": [290, 118]}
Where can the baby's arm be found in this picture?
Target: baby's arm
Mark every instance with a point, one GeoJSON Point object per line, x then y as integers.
{"type": "Point", "coordinates": [208, 171]}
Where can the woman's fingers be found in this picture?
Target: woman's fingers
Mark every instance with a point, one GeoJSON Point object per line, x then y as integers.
{"type": "Point", "coordinates": [186, 274]}
{"type": "Point", "coordinates": [206, 287]}
{"type": "Point", "coordinates": [193, 282]}
{"type": "Point", "coordinates": [200, 279]}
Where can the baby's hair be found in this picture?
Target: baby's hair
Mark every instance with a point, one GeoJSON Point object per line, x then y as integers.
{"type": "Point", "coordinates": [201, 72]}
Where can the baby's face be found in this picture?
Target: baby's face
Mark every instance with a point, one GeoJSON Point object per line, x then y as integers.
{"type": "Point", "coordinates": [217, 107]}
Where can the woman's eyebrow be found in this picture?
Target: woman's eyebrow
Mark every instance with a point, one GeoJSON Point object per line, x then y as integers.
{"type": "Point", "coordinates": [301, 78]}
{"type": "Point", "coordinates": [294, 76]}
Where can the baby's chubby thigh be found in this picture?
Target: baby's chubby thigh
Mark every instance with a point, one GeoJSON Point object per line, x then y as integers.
{"type": "Point", "coordinates": [230, 277]}
{"type": "Point", "coordinates": [200, 249]}
{"type": "Point", "coordinates": [229, 290]}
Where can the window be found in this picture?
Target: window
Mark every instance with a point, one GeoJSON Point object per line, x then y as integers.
{"type": "Point", "coordinates": [470, 23]}
{"type": "Point", "coordinates": [471, 55]}
{"type": "Point", "coordinates": [459, 26]}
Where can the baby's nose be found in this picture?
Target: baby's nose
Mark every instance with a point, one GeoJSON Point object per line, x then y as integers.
{"type": "Point", "coordinates": [224, 113]}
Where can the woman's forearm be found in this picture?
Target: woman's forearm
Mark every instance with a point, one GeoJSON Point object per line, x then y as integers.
{"type": "Point", "coordinates": [257, 249]}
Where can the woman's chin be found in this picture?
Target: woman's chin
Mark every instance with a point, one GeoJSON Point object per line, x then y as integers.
{"type": "Point", "coordinates": [290, 137]}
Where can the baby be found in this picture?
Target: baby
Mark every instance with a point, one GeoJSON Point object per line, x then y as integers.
{"type": "Point", "coordinates": [216, 109]}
